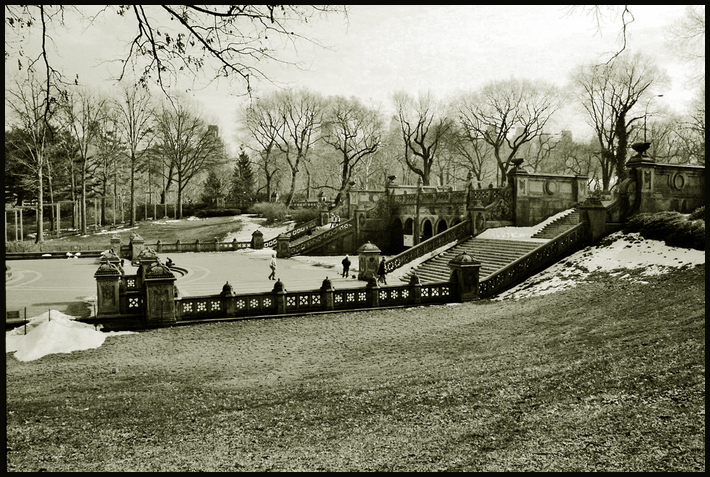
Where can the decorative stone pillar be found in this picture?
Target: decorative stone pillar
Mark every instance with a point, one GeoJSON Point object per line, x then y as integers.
{"type": "Point", "coordinates": [373, 293]}
{"type": "Point", "coordinates": [160, 298]}
{"type": "Point", "coordinates": [415, 289]}
{"type": "Point", "coordinates": [228, 305]}
{"type": "Point", "coordinates": [113, 259]}
{"type": "Point", "coordinates": [326, 294]}
{"type": "Point", "coordinates": [282, 246]}
{"type": "Point", "coordinates": [476, 217]}
{"type": "Point", "coordinates": [464, 276]}
{"type": "Point", "coordinates": [108, 279]}
{"type": "Point", "coordinates": [116, 244]}
{"type": "Point", "coordinates": [593, 214]}
{"type": "Point", "coordinates": [257, 240]}
{"type": "Point", "coordinates": [137, 245]}
{"type": "Point", "coordinates": [368, 261]}
{"type": "Point", "coordinates": [279, 292]}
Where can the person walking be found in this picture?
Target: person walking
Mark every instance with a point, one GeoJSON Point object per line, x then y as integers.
{"type": "Point", "coordinates": [272, 266]}
{"type": "Point", "coordinates": [337, 220]}
{"type": "Point", "coordinates": [346, 266]}
{"type": "Point", "coordinates": [381, 272]}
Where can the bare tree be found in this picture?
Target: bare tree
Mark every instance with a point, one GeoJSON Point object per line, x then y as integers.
{"type": "Point", "coordinates": [226, 41]}
{"type": "Point", "coordinates": [507, 114]}
{"type": "Point", "coordinates": [31, 113]}
{"type": "Point", "coordinates": [475, 152]}
{"type": "Point", "coordinates": [424, 125]}
{"type": "Point", "coordinates": [609, 93]}
{"type": "Point", "coordinates": [188, 144]}
{"type": "Point", "coordinates": [301, 114]}
{"type": "Point", "coordinates": [263, 122]}
{"type": "Point", "coordinates": [686, 37]}
{"type": "Point", "coordinates": [354, 131]}
{"type": "Point", "coordinates": [136, 115]}
{"type": "Point", "coordinates": [83, 112]}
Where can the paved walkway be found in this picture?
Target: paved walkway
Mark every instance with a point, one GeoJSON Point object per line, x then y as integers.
{"type": "Point", "coordinates": [65, 284]}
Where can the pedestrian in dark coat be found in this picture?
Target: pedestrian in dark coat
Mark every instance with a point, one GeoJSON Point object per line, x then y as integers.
{"type": "Point", "coordinates": [381, 272]}
{"type": "Point", "coordinates": [346, 266]}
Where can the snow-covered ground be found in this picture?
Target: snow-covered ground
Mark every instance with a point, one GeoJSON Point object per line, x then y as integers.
{"type": "Point", "coordinates": [619, 253]}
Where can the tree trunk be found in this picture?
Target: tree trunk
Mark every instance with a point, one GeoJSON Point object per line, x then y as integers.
{"type": "Point", "coordinates": [620, 159]}
{"type": "Point", "coordinates": [40, 206]}
{"type": "Point", "coordinates": [133, 189]}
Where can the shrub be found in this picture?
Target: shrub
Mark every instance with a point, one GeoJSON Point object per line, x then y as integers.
{"type": "Point", "coordinates": [301, 216]}
{"type": "Point", "coordinates": [217, 212]}
{"type": "Point", "coordinates": [271, 211]}
{"type": "Point", "coordinates": [673, 228]}
{"type": "Point", "coordinates": [698, 214]}
{"type": "Point", "coordinates": [21, 246]}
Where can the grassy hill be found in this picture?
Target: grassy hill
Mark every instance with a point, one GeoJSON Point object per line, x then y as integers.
{"type": "Point", "coordinates": [609, 375]}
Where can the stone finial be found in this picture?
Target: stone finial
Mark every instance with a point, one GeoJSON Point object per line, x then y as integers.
{"type": "Point", "coordinates": [279, 287]}
{"type": "Point", "coordinates": [327, 284]}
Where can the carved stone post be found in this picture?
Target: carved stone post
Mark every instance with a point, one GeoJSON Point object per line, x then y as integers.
{"type": "Point", "coordinates": [116, 244]}
{"type": "Point", "coordinates": [326, 295]}
{"type": "Point", "coordinates": [464, 275]}
{"type": "Point", "coordinates": [279, 292]}
{"type": "Point", "coordinates": [257, 240]}
{"type": "Point", "coordinates": [593, 214]}
{"type": "Point", "coordinates": [228, 304]}
{"type": "Point", "coordinates": [108, 279]}
{"type": "Point", "coordinates": [282, 246]}
{"type": "Point", "coordinates": [137, 245]}
{"type": "Point", "coordinates": [368, 261]}
{"type": "Point", "coordinates": [373, 293]}
{"type": "Point", "coordinates": [415, 289]}
{"type": "Point", "coordinates": [159, 284]}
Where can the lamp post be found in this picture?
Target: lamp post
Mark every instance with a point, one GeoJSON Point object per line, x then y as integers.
{"type": "Point", "coordinates": [646, 114]}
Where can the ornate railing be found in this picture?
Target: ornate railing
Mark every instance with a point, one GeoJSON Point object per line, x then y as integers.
{"type": "Point", "coordinates": [486, 196]}
{"type": "Point", "coordinates": [455, 233]}
{"type": "Point", "coordinates": [217, 307]}
{"type": "Point", "coordinates": [322, 238]}
{"type": "Point", "coordinates": [502, 206]}
{"type": "Point", "coordinates": [532, 262]}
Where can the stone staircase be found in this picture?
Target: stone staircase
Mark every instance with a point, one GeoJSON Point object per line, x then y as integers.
{"type": "Point", "coordinates": [559, 226]}
{"type": "Point", "coordinates": [493, 254]}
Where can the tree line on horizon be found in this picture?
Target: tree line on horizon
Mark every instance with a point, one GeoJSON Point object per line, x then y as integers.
{"type": "Point", "coordinates": [66, 142]}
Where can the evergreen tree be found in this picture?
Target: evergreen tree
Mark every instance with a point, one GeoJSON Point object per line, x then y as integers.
{"type": "Point", "coordinates": [242, 191]}
{"type": "Point", "coordinates": [213, 187]}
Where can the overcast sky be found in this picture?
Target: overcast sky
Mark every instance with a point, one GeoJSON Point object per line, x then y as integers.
{"type": "Point", "coordinates": [378, 50]}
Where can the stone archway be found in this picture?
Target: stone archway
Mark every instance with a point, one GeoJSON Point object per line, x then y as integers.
{"type": "Point", "coordinates": [396, 236]}
{"type": "Point", "coordinates": [441, 226]}
{"type": "Point", "coordinates": [427, 230]}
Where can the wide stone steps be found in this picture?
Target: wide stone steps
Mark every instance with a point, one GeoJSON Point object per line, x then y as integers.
{"type": "Point", "coordinates": [493, 254]}
{"type": "Point", "coordinates": [559, 226]}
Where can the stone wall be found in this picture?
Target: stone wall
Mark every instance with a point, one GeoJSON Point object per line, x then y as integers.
{"type": "Point", "coordinates": [539, 196]}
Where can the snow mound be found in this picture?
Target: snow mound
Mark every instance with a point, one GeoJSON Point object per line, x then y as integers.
{"type": "Point", "coordinates": [618, 253]}
{"type": "Point", "coordinates": [53, 332]}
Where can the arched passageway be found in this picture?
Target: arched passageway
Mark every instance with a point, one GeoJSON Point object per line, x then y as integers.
{"type": "Point", "coordinates": [427, 230]}
{"type": "Point", "coordinates": [441, 226]}
{"type": "Point", "coordinates": [396, 237]}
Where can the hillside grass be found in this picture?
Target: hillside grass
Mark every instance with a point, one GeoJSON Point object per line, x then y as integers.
{"type": "Point", "coordinates": [607, 376]}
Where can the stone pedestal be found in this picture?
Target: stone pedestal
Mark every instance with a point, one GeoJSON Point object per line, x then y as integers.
{"type": "Point", "coordinates": [279, 292]}
{"type": "Point", "coordinates": [257, 240]}
{"type": "Point", "coordinates": [593, 213]}
{"type": "Point", "coordinates": [326, 295]}
{"type": "Point", "coordinates": [159, 295]}
{"type": "Point", "coordinates": [368, 261]}
{"type": "Point", "coordinates": [282, 246]}
{"type": "Point", "coordinates": [116, 244]}
{"type": "Point", "coordinates": [137, 245]}
{"type": "Point", "coordinates": [373, 293]}
{"type": "Point", "coordinates": [464, 275]}
{"type": "Point", "coordinates": [108, 279]}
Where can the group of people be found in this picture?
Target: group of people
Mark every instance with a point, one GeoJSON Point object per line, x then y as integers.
{"type": "Point", "coordinates": [381, 274]}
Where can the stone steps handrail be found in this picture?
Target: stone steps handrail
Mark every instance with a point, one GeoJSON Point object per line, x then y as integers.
{"type": "Point", "coordinates": [455, 233]}
{"type": "Point", "coordinates": [320, 239]}
{"type": "Point", "coordinates": [532, 262]}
